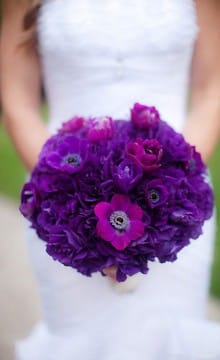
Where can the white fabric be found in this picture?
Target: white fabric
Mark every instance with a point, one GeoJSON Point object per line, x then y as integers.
{"type": "Point", "coordinates": [98, 58]}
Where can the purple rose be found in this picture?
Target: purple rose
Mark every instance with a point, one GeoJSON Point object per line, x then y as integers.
{"type": "Point", "coordinates": [119, 221]}
{"type": "Point", "coordinates": [72, 125]}
{"type": "Point", "coordinates": [144, 117]}
{"type": "Point", "coordinates": [70, 155]}
{"type": "Point", "coordinates": [134, 148]}
{"type": "Point", "coordinates": [100, 128]}
{"type": "Point", "coordinates": [146, 153]}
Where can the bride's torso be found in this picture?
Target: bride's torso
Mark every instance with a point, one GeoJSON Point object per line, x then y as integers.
{"type": "Point", "coordinates": [100, 56]}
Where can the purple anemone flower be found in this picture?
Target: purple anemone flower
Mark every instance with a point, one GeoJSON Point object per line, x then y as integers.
{"type": "Point", "coordinates": [146, 153]}
{"type": "Point", "coordinates": [70, 155]}
{"type": "Point", "coordinates": [119, 221]}
{"type": "Point", "coordinates": [144, 117]}
{"type": "Point", "coordinates": [156, 193]}
{"type": "Point", "coordinates": [100, 128]}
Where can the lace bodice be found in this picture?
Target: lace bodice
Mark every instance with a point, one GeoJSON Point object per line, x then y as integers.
{"type": "Point", "coordinates": [101, 56]}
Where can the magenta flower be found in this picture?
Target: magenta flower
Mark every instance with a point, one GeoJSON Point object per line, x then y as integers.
{"type": "Point", "coordinates": [100, 128]}
{"type": "Point", "coordinates": [146, 153]}
{"type": "Point", "coordinates": [72, 125]}
{"type": "Point", "coordinates": [134, 148]}
{"type": "Point", "coordinates": [144, 117]}
{"type": "Point", "coordinates": [119, 221]}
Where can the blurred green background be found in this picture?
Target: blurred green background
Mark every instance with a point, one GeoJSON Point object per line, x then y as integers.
{"type": "Point", "coordinates": [12, 177]}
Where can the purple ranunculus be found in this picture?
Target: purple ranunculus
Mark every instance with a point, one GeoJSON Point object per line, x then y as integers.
{"type": "Point", "coordinates": [70, 155]}
{"type": "Point", "coordinates": [147, 153]}
{"type": "Point", "coordinates": [156, 193]}
{"type": "Point", "coordinates": [72, 125]}
{"type": "Point", "coordinates": [120, 221]}
{"type": "Point", "coordinates": [134, 148]}
{"type": "Point", "coordinates": [144, 117]}
{"type": "Point", "coordinates": [100, 128]}
{"type": "Point", "coordinates": [127, 174]}
{"type": "Point", "coordinates": [153, 151]}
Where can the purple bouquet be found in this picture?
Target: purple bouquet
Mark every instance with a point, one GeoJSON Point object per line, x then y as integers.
{"type": "Point", "coordinates": [114, 192]}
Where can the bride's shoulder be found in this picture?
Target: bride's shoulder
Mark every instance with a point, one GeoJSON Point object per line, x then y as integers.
{"type": "Point", "coordinates": [166, 25]}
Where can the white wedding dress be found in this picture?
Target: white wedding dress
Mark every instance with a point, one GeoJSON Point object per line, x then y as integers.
{"type": "Point", "coordinates": [98, 58]}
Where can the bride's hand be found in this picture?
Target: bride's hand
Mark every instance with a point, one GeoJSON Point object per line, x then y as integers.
{"type": "Point", "coordinates": [111, 272]}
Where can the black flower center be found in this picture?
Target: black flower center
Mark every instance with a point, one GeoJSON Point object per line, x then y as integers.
{"type": "Point", "coordinates": [154, 196]}
{"type": "Point", "coordinates": [119, 220]}
{"type": "Point", "coordinates": [73, 160]}
{"type": "Point", "coordinates": [148, 150]}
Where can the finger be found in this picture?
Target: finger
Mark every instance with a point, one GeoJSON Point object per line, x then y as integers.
{"type": "Point", "coordinates": [111, 272]}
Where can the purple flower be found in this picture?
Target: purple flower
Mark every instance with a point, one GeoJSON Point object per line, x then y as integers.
{"type": "Point", "coordinates": [29, 200]}
{"type": "Point", "coordinates": [194, 164]}
{"type": "Point", "coordinates": [146, 153]}
{"type": "Point", "coordinates": [156, 182]}
{"type": "Point", "coordinates": [127, 174]}
{"type": "Point", "coordinates": [174, 145]}
{"type": "Point", "coordinates": [72, 125]}
{"type": "Point", "coordinates": [186, 213]}
{"type": "Point", "coordinates": [70, 155]}
{"type": "Point", "coordinates": [134, 148]}
{"type": "Point", "coordinates": [119, 221]}
{"type": "Point", "coordinates": [156, 193]}
{"type": "Point", "coordinates": [100, 128]}
{"type": "Point", "coordinates": [144, 117]}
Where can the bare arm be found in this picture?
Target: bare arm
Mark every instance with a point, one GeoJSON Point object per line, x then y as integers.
{"type": "Point", "coordinates": [20, 86]}
{"type": "Point", "coordinates": [203, 123]}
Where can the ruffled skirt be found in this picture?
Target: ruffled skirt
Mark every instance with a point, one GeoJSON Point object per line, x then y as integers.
{"type": "Point", "coordinates": [158, 316]}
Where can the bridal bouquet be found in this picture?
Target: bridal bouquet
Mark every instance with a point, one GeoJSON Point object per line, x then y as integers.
{"type": "Point", "coordinates": [114, 192]}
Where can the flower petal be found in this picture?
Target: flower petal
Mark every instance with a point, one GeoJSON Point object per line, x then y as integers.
{"type": "Point", "coordinates": [120, 242]}
{"type": "Point", "coordinates": [54, 160]}
{"type": "Point", "coordinates": [105, 230]}
{"type": "Point", "coordinates": [135, 230]}
{"type": "Point", "coordinates": [103, 210]}
{"type": "Point", "coordinates": [120, 202]}
{"type": "Point", "coordinates": [134, 211]}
